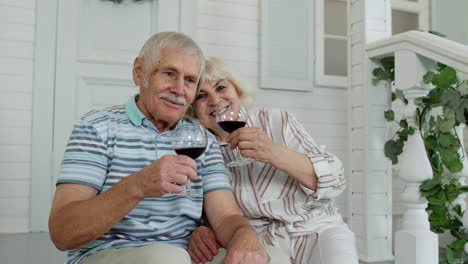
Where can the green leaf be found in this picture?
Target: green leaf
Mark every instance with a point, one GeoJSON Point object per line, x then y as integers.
{"type": "Point", "coordinates": [420, 101]}
{"type": "Point", "coordinates": [404, 123]}
{"type": "Point", "coordinates": [445, 78]}
{"type": "Point", "coordinates": [430, 187]}
{"type": "Point", "coordinates": [382, 74]}
{"type": "Point", "coordinates": [429, 77]}
{"type": "Point", "coordinates": [460, 114]}
{"type": "Point", "coordinates": [458, 244]}
{"type": "Point", "coordinates": [429, 184]}
{"type": "Point", "coordinates": [431, 142]}
{"type": "Point", "coordinates": [448, 140]}
{"type": "Point", "coordinates": [438, 199]}
{"type": "Point", "coordinates": [449, 254]}
{"type": "Point", "coordinates": [463, 88]}
{"type": "Point", "coordinates": [440, 66]}
{"type": "Point", "coordinates": [451, 160]}
{"type": "Point", "coordinates": [450, 99]}
{"type": "Point", "coordinates": [464, 188]}
{"type": "Point", "coordinates": [452, 192]}
{"type": "Point", "coordinates": [399, 94]}
{"type": "Point", "coordinates": [389, 115]}
{"type": "Point", "coordinates": [393, 97]}
{"type": "Point", "coordinates": [445, 125]}
{"type": "Point", "coordinates": [393, 149]}
{"type": "Point", "coordinates": [388, 63]}
{"type": "Point", "coordinates": [438, 217]}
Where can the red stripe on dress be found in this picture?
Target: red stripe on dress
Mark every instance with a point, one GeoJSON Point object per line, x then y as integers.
{"type": "Point", "coordinates": [299, 248]}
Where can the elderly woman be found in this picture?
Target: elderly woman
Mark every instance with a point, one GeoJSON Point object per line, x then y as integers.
{"type": "Point", "coordinates": [287, 192]}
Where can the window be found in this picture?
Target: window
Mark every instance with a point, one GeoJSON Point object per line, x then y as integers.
{"type": "Point", "coordinates": [287, 53]}
{"type": "Point", "coordinates": [331, 43]}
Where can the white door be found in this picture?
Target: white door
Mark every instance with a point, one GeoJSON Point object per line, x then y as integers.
{"type": "Point", "coordinates": [97, 41]}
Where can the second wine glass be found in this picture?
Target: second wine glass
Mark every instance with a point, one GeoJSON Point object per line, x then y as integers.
{"type": "Point", "coordinates": [189, 140]}
{"type": "Point", "coordinates": [231, 115]}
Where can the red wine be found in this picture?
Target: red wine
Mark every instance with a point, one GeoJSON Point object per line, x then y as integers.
{"type": "Point", "coordinates": [231, 126]}
{"type": "Point", "coordinates": [191, 152]}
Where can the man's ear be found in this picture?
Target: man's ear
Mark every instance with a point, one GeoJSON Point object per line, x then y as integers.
{"type": "Point", "coordinates": [138, 71]}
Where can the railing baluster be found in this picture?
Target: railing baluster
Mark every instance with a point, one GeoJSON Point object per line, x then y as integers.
{"type": "Point", "coordinates": [414, 242]}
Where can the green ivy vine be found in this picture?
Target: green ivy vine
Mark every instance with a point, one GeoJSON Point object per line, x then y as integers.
{"type": "Point", "coordinates": [442, 146]}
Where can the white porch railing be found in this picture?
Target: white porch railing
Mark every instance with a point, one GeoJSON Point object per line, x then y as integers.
{"type": "Point", "coordinates": [416, 53]}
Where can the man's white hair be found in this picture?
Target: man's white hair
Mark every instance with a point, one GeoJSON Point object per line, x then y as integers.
{"type": "Point", "coordinates": [150, 52]}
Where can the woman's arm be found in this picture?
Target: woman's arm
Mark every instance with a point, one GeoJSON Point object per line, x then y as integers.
{"type": "Point", "coordinates": [319, 173]}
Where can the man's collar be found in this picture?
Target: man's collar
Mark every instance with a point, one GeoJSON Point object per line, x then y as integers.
{"type": "Point", "coordinates": [133, 112]}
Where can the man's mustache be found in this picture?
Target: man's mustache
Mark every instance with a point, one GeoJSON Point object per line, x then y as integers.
{"type": "Point", "coordinates": [180, 100]}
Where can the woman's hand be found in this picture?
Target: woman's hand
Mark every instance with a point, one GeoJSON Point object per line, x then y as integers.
{"type": "Point", "coordinates": [253, 143]}
{"type": "Point", "coordinates": [203, 245]}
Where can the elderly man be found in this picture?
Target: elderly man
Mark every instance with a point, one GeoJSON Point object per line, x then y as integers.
{"type": "Point", "coordinates": [117, 195]}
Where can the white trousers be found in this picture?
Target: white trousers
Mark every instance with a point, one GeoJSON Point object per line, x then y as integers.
{"type": "Point", "coordinates": [335, 245]}
{"type": "Point", "coordinates": [330, 243]}
{"type": "Point", "coordinates": [162, 253]}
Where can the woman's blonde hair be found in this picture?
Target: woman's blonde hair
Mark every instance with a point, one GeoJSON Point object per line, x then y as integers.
{"type": "Point", "coordinates": [217, 69]}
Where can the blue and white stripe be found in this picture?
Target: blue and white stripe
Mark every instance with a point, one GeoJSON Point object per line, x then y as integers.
{"type": "Point", "coordinates": [105, 147]}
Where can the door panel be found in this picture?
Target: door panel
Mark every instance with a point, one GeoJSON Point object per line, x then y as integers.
{"type": "Point", "coordinates": [97, 42]}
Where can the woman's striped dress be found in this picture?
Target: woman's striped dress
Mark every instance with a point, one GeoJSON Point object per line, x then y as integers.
{"type": "Point", "coordinates": [285, 213]}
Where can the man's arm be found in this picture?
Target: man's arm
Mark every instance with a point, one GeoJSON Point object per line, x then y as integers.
{"type": "Point", "coordinates": [232, 230]}
{"type": "Point", "coordinates": [79, 216]}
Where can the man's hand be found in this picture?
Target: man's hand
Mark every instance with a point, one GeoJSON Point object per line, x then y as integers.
{"type": "Point", "coordinates": [253, 143]}
{"type": "Point", "coordinates": [203, 245]}
{"type": "Point", "coordinates": [246, 248]}
{"type": "Point", "coordinates": [166, 175]}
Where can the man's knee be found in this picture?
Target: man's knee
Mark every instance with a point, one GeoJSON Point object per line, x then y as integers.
{"type": "Point", "coordinates": [156, 253]}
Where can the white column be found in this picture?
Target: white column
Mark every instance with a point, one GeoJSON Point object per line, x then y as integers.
{"type": "Point", "coordinates": [414, 243]}
{"type": "Point", "coordinates": [369, 175]}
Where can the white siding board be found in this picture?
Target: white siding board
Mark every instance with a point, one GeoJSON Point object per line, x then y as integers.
{"type": "Point", "coordinates": [17, 15]}
{"type": "Point", "coordinates": [19, 3]}
{"type": "Point", "coordinates": [15, 153]}
{"type": "Point", "coordinates": [15, 118]}
{"type": "Point", "coordinates": [218, 22]}
{"type": "Point", "coordinates": [16, 49]}
{"type": "Point", "coordinates": [16, 101]}
{"type": "Point", "coordinates": [15, 83]}
{"type": "Point", "coordinates": [17, 32]}
{"type": "Point", "coordinates": [16, 66]}
{"type": "Point", "coordinates": [14, 224]}
{"type": "Point", "coordinates": [229, 9]}
{"type": "Point", "coordinates": [231, 52]}
{"type": "Point", "coordinates": [14, 136]}
{"type": "Point", "coordinates": [15, 170]}
{"type": "Point", "coordinates": [14, 206]}
{"type": "Point", "coordinates": [226, 38]}
{"type": "Point", "coordinates": [239, 2]}
{"type": "Point", "coordinates": [14, 189]}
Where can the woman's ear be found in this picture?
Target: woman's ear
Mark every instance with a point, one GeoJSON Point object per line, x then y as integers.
{"type": "Point", "coordinates": [138, 71]}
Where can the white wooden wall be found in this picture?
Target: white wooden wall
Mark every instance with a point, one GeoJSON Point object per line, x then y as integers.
{"type": "Point", "coordinates": [17, 19]}
{"type": "Point", "coordinates": [228, 28]}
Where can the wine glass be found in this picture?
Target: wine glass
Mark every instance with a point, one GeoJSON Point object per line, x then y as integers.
{"type": "Point", "coordinates": [189, 139]}
{"type": "Point", "coordinates": [230, 116]}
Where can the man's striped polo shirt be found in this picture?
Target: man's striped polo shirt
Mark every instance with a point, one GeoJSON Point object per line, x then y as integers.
{"type": "Point", "coordinates": [106, 146]}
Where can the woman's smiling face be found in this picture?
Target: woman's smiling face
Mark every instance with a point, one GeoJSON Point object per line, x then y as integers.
{"type": "Point", "coordinates": [212, 93]}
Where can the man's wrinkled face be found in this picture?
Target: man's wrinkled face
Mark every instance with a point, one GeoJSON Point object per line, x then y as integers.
{"type": "Point", "coordinates": [171, 85]}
